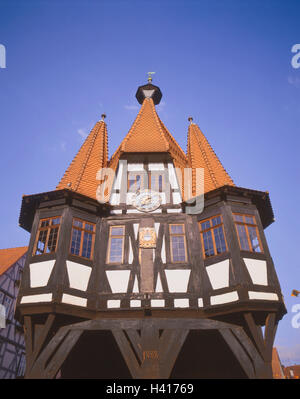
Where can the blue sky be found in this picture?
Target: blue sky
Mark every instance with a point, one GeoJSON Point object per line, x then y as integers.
{"type": "Point", "coordinates": [226, 63]}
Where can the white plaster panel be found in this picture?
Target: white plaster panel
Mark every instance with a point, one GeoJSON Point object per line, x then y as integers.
{"type": "Point", "coordinates": [136, 230]}
{"type": "Point", "coordinates": [135, 167]}
{"type": "Point", "coordinates": [224, 298]}
{"type": "Point", "coordinates": [156, 166]}
{"type": "Point", "coordinates": [117, 184]}
{"type": "Point", "coordinates": [74, 300]}
{"type": "Point", "coordinates": [172, 176]}
{"type": "Point", "coordinates": [218, 274]}
{"type": "Point", "coordinates": [178, 280]}
{"type": "Point", "coordinates": [135, 303]}
{"type": "Point", "coordinates": [163, 251]}
{"type": "Point", "coordinates": [157, 303]}
{"type": "Point", "coordinates": [36, 298]}
{"type": "Point", "coordinates": [116, 212]}
{"type": "Point", "coordinates": [113, 303]}
{"type": "Point", "coordinates": [135, 286]}
{"type": "Point", "coordinates": [266, 296]}
{"type": "Point", "coordinates": [130, 255]}
{"type": "Point", "coordinates": [118, 280]}
{"type": "Point", "coordinates": [129, 199]}
{"type": "Point", "coordinates": [40, 273]}
{"type": "Point", "coordinates": [181, 303]}
{"type": "Point", "coordinates": [158, 287]}
{"type": "Point", "coordinates": [79, 275]}
{"type": "Point", "coordinates": [176, 198]}
{"type": "Point", "coordinates": [257, 270]}
{"type": "Point", "coordinates": [156, 226]}
{"type": "Point", "coordinates": [174, 210]}
{"type": "Point", "coordinates": [115, 199]}
{"type": "Point", "coordinates": [200, 302]}
{"type": "Point", "coordinates": [163, 198]}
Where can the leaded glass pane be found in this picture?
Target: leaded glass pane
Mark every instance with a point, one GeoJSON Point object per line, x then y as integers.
{"type": "Point", "coordinates": [55, 221]}
{"type": "Point", "coordinates": [249, 219]}
{"type": "Point", "coordinates": [89, 227]}
{"type": "Point", "coordinates": [77, 223]}
{"type": "Point", "coordinates": [176, 229]}
{"type": "Point", "coordinates": [52, 240]}
{"type": "Point", "coordinates": [87, 245]}
{"type": "Point", "coordinates": [238, 218]}
{"type": "Point", "coordinates": [41, 242]}
{"type": "Point", "coordinates": [220, 240]}
{"type": "Point", "coordinates": [254, 239]}
{"type": "Point", "coordinates": [178, 248]}
{"type": "Point", "coordinates": [116, 250]}
{"type": "Point", "coordinates": [117, 231]}
{"type": "Point", "coordinates": [216, 221]}
{"type": "Point", "coordinates": [208, 243]}
{"type": "Point", "coordinates": [45, 223]}
{"type": "Point", "coordinates": [243, 237]}
{"type": "Point", "coordinates": [75, 245]}
{"type": "Point", "coordinates": [205, 225]}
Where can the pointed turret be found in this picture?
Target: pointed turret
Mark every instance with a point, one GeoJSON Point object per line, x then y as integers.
{"type": "Point", "coordinates": [92, 156]}
{"type": "Point", "coordinates": [201, 155]}
{"type": "Point", "coordinates": [148, 133]}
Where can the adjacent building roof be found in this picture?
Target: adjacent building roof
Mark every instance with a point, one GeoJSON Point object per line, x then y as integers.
{"type": "Point", "coordinates": [92, 156]}
{"type": "Point", "coordinates": [10, 256]}
{"type": "Point", "coordinates": [201, 155]}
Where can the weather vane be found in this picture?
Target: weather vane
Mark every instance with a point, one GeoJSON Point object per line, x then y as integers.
{"type": "Point", "coordinates": [150, 76]}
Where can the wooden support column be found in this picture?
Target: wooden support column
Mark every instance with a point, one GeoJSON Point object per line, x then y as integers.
{"type": "Point", "coordinates": [150, 351]}
{"type": "Point", "coordinates": [147, 262]}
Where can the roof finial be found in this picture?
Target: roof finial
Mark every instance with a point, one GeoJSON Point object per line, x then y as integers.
{"type": "Point", "coordinates": [190, 119]}
{"type": "Point", "coordinates": [103, 116]}
{"type": "Point", "coordinates": [150, 77]}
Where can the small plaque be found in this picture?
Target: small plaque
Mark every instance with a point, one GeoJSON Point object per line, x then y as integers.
{"type": "Point", "coordinates": [147, 237]}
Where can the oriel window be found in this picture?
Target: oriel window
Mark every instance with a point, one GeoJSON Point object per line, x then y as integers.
{"type": "Point", "coordinates": [177, 243]}
{"type": "Point", "coordinates": [247, 232]}
{"type": "Point", "coordinates": [47, 236]}
{"type": "Point", "coordinates": [82, 240]}
{"type": "Point", "coordinates": [115, 252]}
{"type": "Point", "coordinates": [212, 236]}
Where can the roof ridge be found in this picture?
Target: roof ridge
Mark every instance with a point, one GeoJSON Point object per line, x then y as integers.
{"type": "Point", "coordinates": [87, 157]}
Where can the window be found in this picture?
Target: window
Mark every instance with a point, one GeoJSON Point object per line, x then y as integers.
{"type": "Point", "coordinates": [82, 242]}
{"type": "Point", "coordinates": [134, 182]}
{"type": "Point", "coordinates": [177, 243]}
{"type": "Point", "coordinates": [247, 232]}
{"type": "Point", "coordinates": [212, 236]}
{"type": "Point", "coordinates": [47, 236]}
{"type": "Point", "coordinates": [152, 180]}
{"type": "Point", "coordinates": [116, 244]}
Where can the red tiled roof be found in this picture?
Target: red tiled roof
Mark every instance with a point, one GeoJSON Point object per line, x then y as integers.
{"type": "Point", "coordinates": [201, 155]}
{"type": "Point", "coordinates": [92, 156]}
{"type": "Point", "coordinates": [9, 256]}
{"type": "Point", "coordinates": [149, 134]}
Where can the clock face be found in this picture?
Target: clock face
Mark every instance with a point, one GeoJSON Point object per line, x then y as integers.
{"type": "Point", "coordinates": [147, 200]}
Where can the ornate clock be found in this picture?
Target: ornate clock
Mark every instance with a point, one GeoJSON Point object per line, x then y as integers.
{"type": "Point", "coordinates": [147, 200]}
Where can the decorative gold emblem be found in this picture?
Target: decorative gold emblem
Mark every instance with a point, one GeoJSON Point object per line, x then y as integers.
{"type": "Point", "coordinates": [147, 237]}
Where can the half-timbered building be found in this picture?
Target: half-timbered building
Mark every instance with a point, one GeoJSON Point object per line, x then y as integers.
{"type": "Point", "coordinates": [150, 264]}
{"type": "Point", "coordinates": [12, 345]}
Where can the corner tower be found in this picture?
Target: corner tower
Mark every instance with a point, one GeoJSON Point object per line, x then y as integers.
{"type": "Point", "coordinates": [123, 280]}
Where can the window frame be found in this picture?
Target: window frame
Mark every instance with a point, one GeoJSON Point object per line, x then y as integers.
{"type": "Point", "coordinates": [108, 262]}
{"type": "Point", "coordinates": [184, 241]}
{"type": "Point", "coordinates": [246, 225]}
{"type": "Point", "coordinates": [211, 228]}
{"type": "Point", "coordinates": [48, 229]}
{"type": "Point", "coordinates": [83, 230]}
